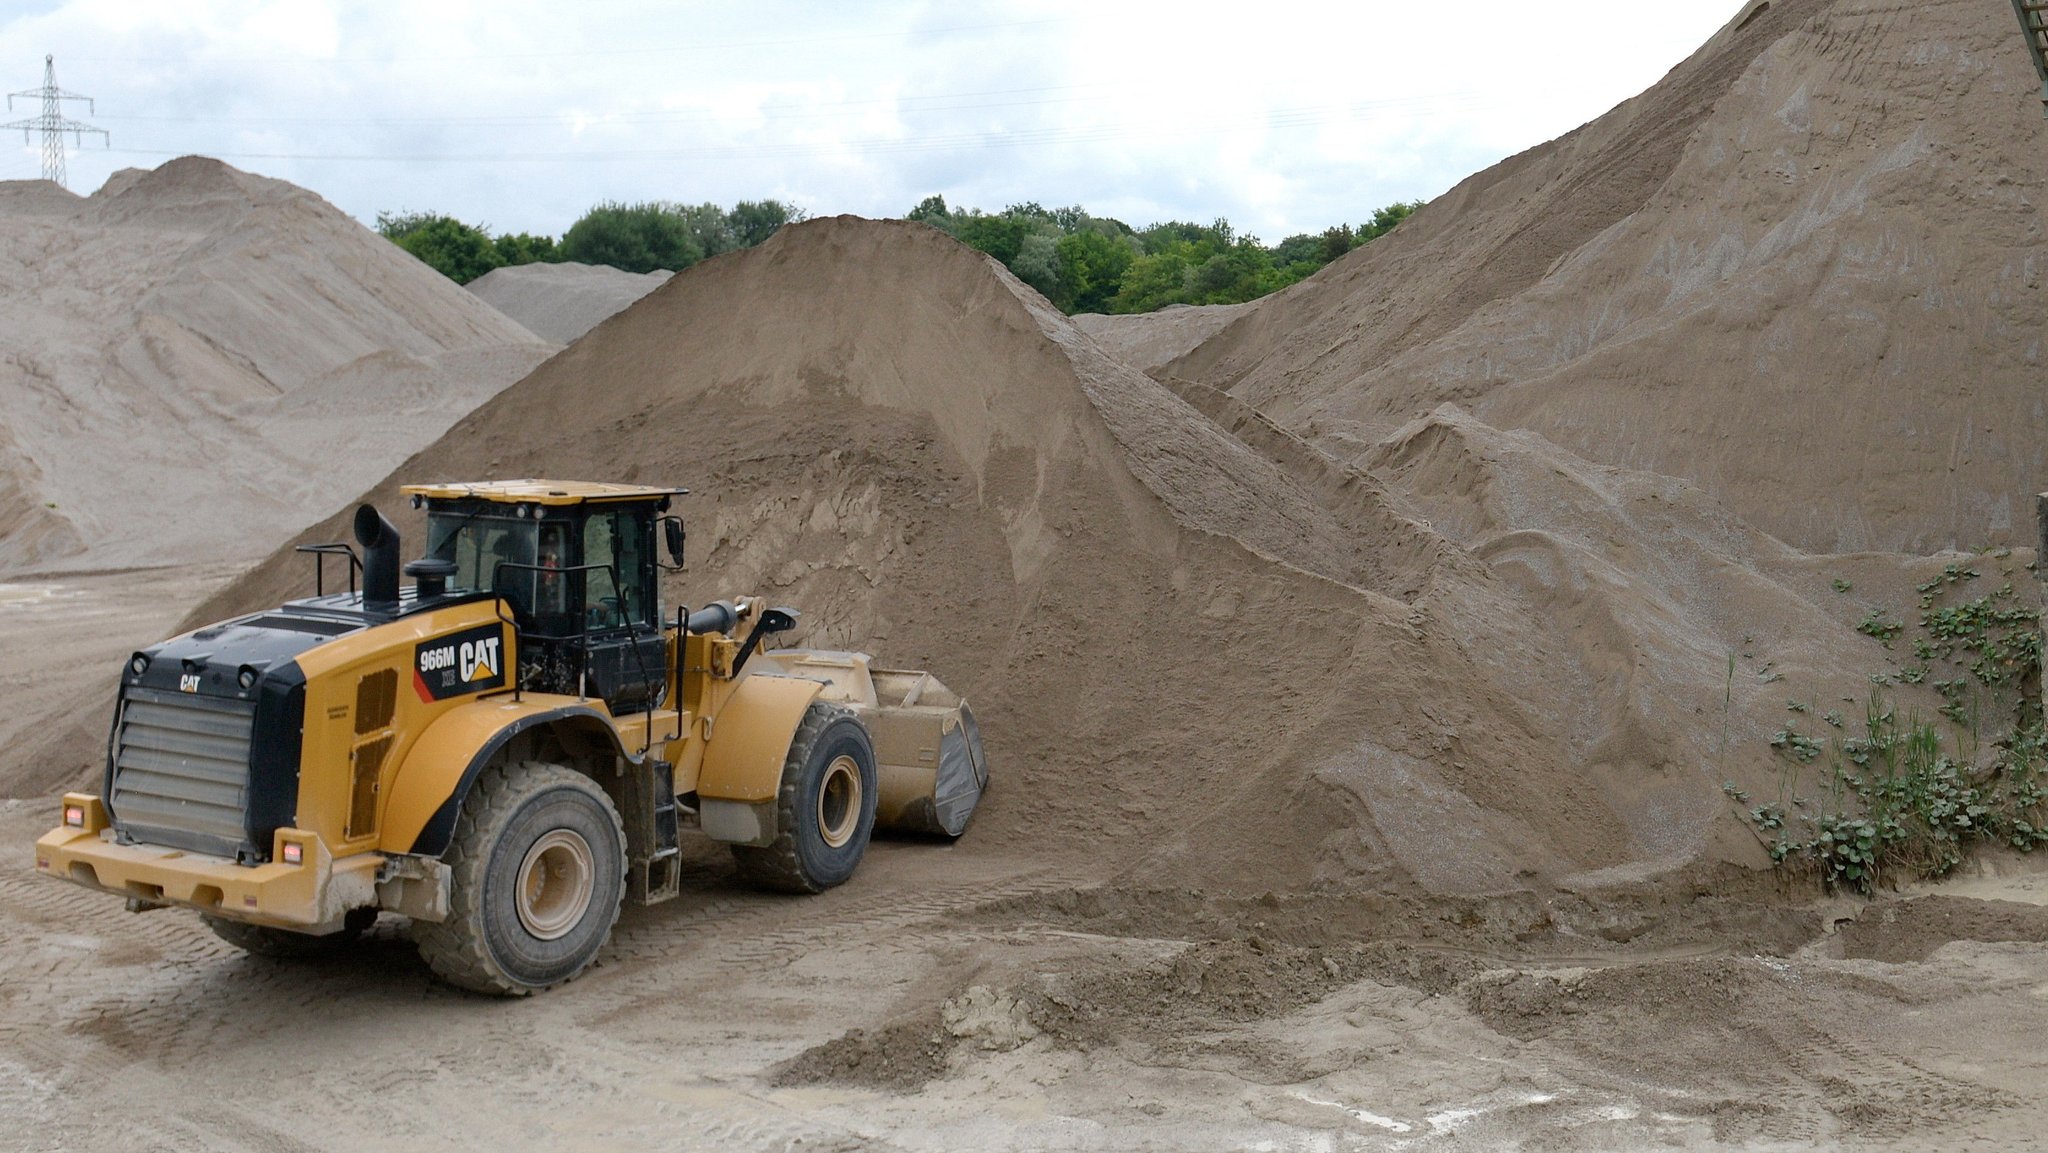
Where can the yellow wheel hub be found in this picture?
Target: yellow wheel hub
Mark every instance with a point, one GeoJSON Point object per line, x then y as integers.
{"type": "Point", "coordinates": [555, 882]}
{"type": "Point", "coordinates": [839, 801]}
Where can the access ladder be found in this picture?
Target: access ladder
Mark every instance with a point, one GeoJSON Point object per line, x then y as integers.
{"type": "Point", "coordinates": [2033, 16]}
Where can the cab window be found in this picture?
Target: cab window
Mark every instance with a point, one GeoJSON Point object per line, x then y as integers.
{"type": "Point", "coordinates": [616, 594]}
{"type": "Point", "coordinates": [478, 546]}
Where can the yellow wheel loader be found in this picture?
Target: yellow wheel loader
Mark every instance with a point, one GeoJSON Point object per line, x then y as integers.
{"type": "Point", "coordinates": [504, 751]}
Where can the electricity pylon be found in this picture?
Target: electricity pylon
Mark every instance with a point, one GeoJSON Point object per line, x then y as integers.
{"type": "Point", "coordinates": [52, 123]}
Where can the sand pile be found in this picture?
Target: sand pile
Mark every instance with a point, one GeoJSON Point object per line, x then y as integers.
{"type": "Point", "coordinates": [1149, 340]}
{"type": "Point", "coordinates": [561, 302]}
{"type": "Point", "coordinates": [196, 354]}
{"type": "Point", "coordinates": [1804, 271]}
{"type": "Point", "coordinates": [1198, 647]}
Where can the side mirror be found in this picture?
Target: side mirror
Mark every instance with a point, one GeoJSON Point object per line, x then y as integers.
{"type": "Point", "coordinates": [672, 532]}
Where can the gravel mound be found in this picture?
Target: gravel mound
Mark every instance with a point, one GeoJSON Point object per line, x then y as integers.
{"type": "Point", "coordinates": [561, 302]}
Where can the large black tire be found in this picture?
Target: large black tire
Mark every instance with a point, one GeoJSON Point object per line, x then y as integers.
{"type": "Point", "coordinates": [537, 870]}
{"type": "Point", "coordinates": [264, 941]}
{"type": "Point", "coordinates": [825, 809]}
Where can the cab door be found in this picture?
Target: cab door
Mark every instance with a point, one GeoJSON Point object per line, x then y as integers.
{"type": "Point", "coordinates": [622, 617]}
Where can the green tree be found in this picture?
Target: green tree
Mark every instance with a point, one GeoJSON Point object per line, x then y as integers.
{"type": "Point", "coordinates": [1038, 264]}
{"type": "Point", "coordinates": [753, 221]}
{"type": "Point", "coordinates": [1300, 248]}
{"type": "Point", "coordinates": [1152, 282]}
{"type": "Point", "coordinates": [524, 248]}
{"type": "Point", "coordinates": [1335, 242]}
{"type": "Point", "coordinates": [1000, 236]}
{"type": "Point", "coordinates": [932, 210]}
{"type": "Point", "coordinates": [707, 225]}
{"type": "Point", "coordinates": [1244, 271]}
{"type": "Point", "coordinates": [1092, 265]}
{"type": "Point", "coordinates": [461, 252]}
{"type": "Point", "coordinates": [1385, 219]}
{"type": "Point", "coordinates": [1085, 263]}
{"type": "Point", "coordinates": [635, 237]}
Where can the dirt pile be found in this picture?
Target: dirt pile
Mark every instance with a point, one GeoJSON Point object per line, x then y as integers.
{"type": "Point", "coordinates": [561, 302]}
{"type": "Point", "coordinates": [1243, 665]}
{"type": "Point", "coordinates": [198, 354]}
{"type": "Point", "coordinates": [1149, 340]}
{"type": "Point", "coordinates": [1803, 271]}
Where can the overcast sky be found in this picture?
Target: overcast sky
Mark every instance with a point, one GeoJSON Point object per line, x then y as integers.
{"type": "Point", "coordinates": [519, 114]}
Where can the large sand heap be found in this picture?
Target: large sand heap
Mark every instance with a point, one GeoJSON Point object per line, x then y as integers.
{"type": "Point", "coordinates": [1149, 340]}
{"type": "Point", "coordinates": [561, 302]}
{"type": "Point", "coordinates": [1803, 271]}
{"type": "Point", "coordinates": [196, 354]}
{"type": "Point", "coordinates": [1246, 665]}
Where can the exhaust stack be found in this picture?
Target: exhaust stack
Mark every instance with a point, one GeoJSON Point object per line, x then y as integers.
{"type": "Point", "coordinates": [380, 559]}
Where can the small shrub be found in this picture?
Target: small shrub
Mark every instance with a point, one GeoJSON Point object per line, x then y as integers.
{"type": "Point", "coordinates": [1900, 800]}
{"type": "Point", "coordinates": [1877, 625]}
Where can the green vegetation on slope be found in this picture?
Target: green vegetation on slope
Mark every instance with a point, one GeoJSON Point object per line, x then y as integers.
{"type": "Point", "coordinates": [1908, 797]}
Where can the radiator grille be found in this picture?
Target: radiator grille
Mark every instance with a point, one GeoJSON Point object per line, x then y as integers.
{"type": "Point", "coordinates": [376, 700]}
{"type": "Point", "coordinates": [181, 770]}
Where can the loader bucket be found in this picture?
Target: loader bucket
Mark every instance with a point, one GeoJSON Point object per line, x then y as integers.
{"type": "Point", "coordinates": [928, 755]}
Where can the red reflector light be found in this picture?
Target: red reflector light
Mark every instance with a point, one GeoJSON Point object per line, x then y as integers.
{"type": "Point", "coordinates": [42, 862]}
{"type": "Point", "coordinates": [74, 816]}
{"type": "Point", "coordinates": [294, 852]}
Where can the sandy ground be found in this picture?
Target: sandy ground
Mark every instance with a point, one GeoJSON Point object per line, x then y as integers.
{"type": "Point", "coordinates": [1362, 763]}
{"type": "Point", "coordinates": [950, 998]}
{"type": "Point", "coordinates": [979, 996]}
{"type": "Point", "coordinates": [62, 641]}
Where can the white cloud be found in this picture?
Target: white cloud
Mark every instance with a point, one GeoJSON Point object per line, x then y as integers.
{"type": "Point", "coordinates": [1284, 116]}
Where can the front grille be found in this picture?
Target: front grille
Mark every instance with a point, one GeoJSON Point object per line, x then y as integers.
{"type": "Point", "coordinates": [181, 770]}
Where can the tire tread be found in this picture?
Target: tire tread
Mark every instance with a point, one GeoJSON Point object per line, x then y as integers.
{"type": "Point", "coordinates": [455, 949]}
{"type": "Point", "coordinates": [777, 866]}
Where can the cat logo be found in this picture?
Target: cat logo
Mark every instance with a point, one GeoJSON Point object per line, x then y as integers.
{"type": "Point", "coordinates": [479, 659]}
{"type": "Point", "coordinates": [467, 662]}
{"type": "Point", "coordinates": [188, 682]}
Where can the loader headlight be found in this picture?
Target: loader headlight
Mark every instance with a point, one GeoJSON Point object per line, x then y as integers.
{"type": "Point", "coordinates": [74, 816]}
{"type": "Point", "coordinates": [246, 678]}
{"type": "Point", "coordinates": [138, 664]}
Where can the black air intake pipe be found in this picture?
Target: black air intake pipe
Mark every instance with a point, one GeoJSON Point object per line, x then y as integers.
{"type": "Point", "coordinates": [380, 559]}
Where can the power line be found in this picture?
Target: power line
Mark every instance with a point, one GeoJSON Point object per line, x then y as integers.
{"type": "Point", "coordinates": [937, 102]}
{"type": "Point", "coordinates": [1278, 119]}
{"type": "Point", "coordinates": [671, 49]}
{"type": "Point", "coordinates": [52, 123]}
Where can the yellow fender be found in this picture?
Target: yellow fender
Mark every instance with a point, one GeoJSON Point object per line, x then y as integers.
{"type": "Point", "coordinates": [743, 755]}
{"type": "Point", "coordinates": [750, 737]}
{"type": "Point", "coordinates": [428, 789]}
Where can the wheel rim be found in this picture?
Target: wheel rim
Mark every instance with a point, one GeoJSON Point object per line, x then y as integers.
{"type": "Point", "coordinates": [839, 801]}
{"type": "Point", "coordinates": [554, 884]}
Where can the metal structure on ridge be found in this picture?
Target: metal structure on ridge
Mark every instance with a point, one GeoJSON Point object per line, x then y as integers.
{"type": "Point", "coordinates": [2033, 16]}
{"type": "Point", "coordinates": [52, 123]}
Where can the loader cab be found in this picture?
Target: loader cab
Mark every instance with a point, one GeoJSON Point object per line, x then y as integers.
{"type": "Point", "coordinates": [576, 564]}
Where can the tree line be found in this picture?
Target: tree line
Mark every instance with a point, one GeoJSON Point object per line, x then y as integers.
{"type": "Point", "coordinates": [1080, 262]}
{"type": "Point", "coordinates": [1085, 263]}
{"type": "Point", "coordinates": [635, 237]}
